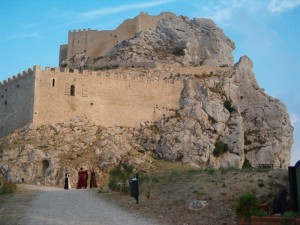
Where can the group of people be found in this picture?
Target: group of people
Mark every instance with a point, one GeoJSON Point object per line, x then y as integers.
{"type": "Point", "coordinates": [82, 179]}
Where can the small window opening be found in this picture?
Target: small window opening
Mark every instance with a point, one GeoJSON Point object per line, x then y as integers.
{"type": "Point", "coordinates": [5, 102]}
{"type": "Point", "coordinates": [72, 91]}
{"type": "Point", "coordinates": [18, 85]}
{"type": "Point", "coordinates": [53, 82]}
{"type": "Point", "coordinates": [92, 103]}
{"type": "Point", "coordinates": [2, 96]}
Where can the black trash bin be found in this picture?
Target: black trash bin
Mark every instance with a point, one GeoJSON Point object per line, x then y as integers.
{"type": "Point", "coordinates": [134, 189]}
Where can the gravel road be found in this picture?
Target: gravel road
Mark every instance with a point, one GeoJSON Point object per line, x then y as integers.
{"type": "Point", "coordinates": [56, 206]}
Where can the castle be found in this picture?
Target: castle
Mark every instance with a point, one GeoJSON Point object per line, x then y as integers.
{"type": "Point", "coordinates": [115, 97]}
{"type": "Point", "coordinates": [96, 43]}
{"type": "Point", "coordinates": [123, 97]}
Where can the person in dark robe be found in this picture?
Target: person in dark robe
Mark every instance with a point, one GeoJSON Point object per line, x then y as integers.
{"type": "Point", "coordinates": [93, 182]}
{"type": "Point", "coordinates": [67, 181]}
{"type": "Point", "coordinates": [86, 177]}
{"type": "Point", "coordinates": [81, 179]}
{"type": "Point", "coordinates": [280, 203]}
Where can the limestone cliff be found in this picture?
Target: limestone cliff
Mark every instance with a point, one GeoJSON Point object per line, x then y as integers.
{"type": "Point", "coordinates": [224, 120]}
{"type": "Point", "coordinates": [200, 40]}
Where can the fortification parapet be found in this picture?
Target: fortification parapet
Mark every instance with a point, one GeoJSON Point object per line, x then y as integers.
{"type": "Point", "coordinates": [81, 30]}
{"type": "Point", "coordinates": [14, 78]}
{"type": "Point", "coordinates": [36, 68]}
{"type": "Point", "coordinates": [56, 69]}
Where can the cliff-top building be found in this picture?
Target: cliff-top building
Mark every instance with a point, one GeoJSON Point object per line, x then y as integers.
{"type": "Point", "coordinates": [114, 97]}
{"type": "Point", "coordinates": [96, 43]}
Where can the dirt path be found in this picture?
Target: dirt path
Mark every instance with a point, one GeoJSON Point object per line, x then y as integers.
{"type": "Point", "coordinates": [55, 206]}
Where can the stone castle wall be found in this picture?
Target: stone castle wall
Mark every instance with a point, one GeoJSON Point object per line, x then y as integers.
{"type": "Point", "coordinates": [16, 100]}
{"type": "Point", "coordinates": [96, 43]}
{"type": "Point", "coordinates": [114, 97]}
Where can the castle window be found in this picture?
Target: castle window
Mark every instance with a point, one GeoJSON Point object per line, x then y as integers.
{"type": "Point", "coordinates": [72, 90]}
{"type": "Point", "coordinates": [5, 102]}
{"type": "Point", "coordinates": [53, 82]}
{"type": "Point", "coordinates": [2, 96]}
{"type": "Point", "coordinates": [18, 85]}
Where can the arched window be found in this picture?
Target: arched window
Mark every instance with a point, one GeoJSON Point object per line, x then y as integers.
{"type": "Point", "coordinates": [72, 90]}
{"type": "Point", "coordinates": [53, 82]}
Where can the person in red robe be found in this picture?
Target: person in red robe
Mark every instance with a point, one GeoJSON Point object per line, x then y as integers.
{"type": "Point", "coordinates": [81, 179]}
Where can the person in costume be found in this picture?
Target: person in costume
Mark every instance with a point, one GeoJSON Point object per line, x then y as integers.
{"type": "Point", "coordinates": [81, 179]}
{"type": "Point", "coordinates": [86, 177]}
{"type": "Point", "coordinates": [93, 182]}
{"type": "Point", "coordinates": [67, 185]}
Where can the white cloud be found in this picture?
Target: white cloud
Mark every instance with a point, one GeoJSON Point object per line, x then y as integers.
{"type": "Point", "coordinates": [282, 5]}
{"type": "Point", "coordinates": [21, 36]}
{"type": "Point", "coordinates": [122, 8]}
{"type": "Point", "coordinates": [294, 119]}
{"type": "Point", "coordinates": [222, 11]}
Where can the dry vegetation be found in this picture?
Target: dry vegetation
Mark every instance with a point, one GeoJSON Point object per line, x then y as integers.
{"type": "Point", "coordinates": [165, 194]}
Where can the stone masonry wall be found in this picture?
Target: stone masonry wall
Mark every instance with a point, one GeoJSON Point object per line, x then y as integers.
{"type": "Point", "coordinates": [16, 102]}
{"type": "Point", "coordinates": [107, 98]}
{"type": "Point", "coordinates": [96, 43]}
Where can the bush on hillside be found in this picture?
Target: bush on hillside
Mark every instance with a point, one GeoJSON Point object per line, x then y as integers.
{"type": "Point", "coordinates": [220, 148]}
{"type": "Point", "coordinates": [7, 187]}
{"type": "Point", "coordinates": [178, 51]}
{"type": "Point", "coordinates": [247, 205]}
{"type": "Point", "coordinates": [119, 177]}
{"type": "Point", "coordinates": [228, 106]}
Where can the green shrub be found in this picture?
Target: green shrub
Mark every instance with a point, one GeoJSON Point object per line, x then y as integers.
{"type": "Point", "coordinates": [220, 148]}
{"type": "Point", "coordinates": [228, 106]}
{"type": "Point", "coordinates": [7, 187]}
{"type": "Point", "coordinates": [119, 177]}
{"type": "Point", "coordinates": [261, 185]}
{"type": "Point", "coordinates": [178, 51]}
{"type": "Point", "coordinates": [247, 164]}
{"type": "Point", "coordinates": [247, 205]}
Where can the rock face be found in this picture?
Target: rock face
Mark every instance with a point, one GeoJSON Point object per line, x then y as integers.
{"type": "Point", "coordinates": [224, 120]}
{"type": "Point", "coordinates": [229, 109]}
{"type": "Point", "coordinates": [202, 42]}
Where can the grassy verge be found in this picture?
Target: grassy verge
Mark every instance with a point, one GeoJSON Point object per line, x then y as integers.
{"type": "Point", "coordinates": [7, 187]}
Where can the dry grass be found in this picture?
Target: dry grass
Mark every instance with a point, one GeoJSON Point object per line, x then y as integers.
{"type": "Point", "coordinates": [166, 193]}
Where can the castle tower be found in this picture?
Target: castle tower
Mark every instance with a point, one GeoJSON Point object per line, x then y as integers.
{"type": "Point", "coordinates": [94, 43]}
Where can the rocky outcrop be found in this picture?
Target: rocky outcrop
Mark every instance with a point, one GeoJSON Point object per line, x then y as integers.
{"type": "Point", "coordinates": [176, 40]}
{"type": "Point", "coordinates": [224, 120]}
{"type": "Point", "coordinates": [229, 108]}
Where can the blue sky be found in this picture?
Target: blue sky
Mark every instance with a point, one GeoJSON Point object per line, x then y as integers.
{"type": "Point", "coordinates": [267, 31]}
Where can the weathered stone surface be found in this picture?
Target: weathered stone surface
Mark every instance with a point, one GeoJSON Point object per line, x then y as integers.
{"type": "Point", "coordinates": [218, 104]}
{"type": "Point", "coordinates": [201, 40]}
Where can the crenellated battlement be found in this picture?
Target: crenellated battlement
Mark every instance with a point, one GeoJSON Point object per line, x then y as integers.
{"type": "Point", "coordinates": [19, 76]}
{"type": "Point", "coordinates": [53, 94]}
{"type": "Point", "coordinates": [81, 30]}
{"type": "Point", "coordinates": [107, 74]}
{"type": "Point", "coordinates": [95, 43]}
